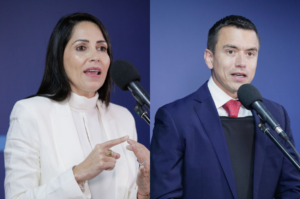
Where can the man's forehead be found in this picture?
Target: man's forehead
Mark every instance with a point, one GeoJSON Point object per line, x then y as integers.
{"type": "Point", "coordinates": [238, 37]}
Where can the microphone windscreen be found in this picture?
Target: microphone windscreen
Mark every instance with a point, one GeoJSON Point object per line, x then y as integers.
{"type": "Point", "coordinates": [248, 94]}
{"type": "Point", "coordinates": [123, 72]}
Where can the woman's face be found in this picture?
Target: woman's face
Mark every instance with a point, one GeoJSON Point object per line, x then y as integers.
{"type": "Point", "coordinates": [86, 61]}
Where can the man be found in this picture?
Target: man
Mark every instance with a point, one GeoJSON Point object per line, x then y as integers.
{"type": "Point", "coordinates": [207, 145]}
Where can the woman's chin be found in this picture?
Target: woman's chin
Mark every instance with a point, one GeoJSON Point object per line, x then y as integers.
{"type": "Point", "coordinates": [93, 87]}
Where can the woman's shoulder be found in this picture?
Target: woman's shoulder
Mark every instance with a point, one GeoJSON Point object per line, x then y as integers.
{"type": "Point", "coordinates": [33, 104]}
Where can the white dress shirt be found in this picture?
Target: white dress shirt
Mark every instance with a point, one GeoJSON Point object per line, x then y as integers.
{"type": "Point", "coordinates": [91, 132]}
{"type": "Point", "coordinates": [220, 98]}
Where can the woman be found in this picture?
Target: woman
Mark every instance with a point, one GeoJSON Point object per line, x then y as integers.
{"type": "Point", "coordinates": [67, 141]}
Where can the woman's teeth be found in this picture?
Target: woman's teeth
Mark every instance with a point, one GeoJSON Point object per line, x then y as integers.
{"type": "Point", "coordinates": [95, 72]}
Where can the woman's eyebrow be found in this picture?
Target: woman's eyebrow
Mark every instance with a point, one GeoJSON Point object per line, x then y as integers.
{"type": "Point", "coordinates": [81, 40]}
{"type": "Point", "coordinates": [101, 41]}
{"type": "Point", "coordinates": [87, 41]}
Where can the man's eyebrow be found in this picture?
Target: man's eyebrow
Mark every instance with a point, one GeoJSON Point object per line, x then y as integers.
{"type": "Point", "coordinates": [252, 49]}
{"type": "Point", "coordinates": [232, 46]}
{"type": "Point", "coordinates": [87, 41]}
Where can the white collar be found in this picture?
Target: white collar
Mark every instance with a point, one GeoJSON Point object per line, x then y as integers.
{"type": "Point", "coordinates": [82, 103]}
{"type": "Point", "coordinates": [219, 96]}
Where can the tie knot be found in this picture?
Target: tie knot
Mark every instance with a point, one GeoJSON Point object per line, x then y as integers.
{"type": "Point", "coordinates": [232, 107]}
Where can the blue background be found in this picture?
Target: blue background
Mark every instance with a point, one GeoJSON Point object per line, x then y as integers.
{"type": "Point", "coordinates": [25, 30]}
{"type": "Point", "coordinates": [178, 37]}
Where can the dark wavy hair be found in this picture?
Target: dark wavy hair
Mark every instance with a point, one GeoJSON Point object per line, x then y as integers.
{"type": "Point", "coordinates": [55, 83]}
{"type": "Point", "coordinates": [232, 20]}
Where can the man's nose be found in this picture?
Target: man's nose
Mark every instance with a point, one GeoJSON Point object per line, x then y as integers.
{"type": "Point", "coordinates": [241, 60]}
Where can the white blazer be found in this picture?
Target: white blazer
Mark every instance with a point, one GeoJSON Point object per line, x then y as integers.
{"type": "Point", "coordinates": [42, 146]}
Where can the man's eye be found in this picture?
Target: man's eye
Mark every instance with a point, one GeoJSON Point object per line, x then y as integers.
{"type": "Point", "coordinates": [250, 54]}
{"type": "Point", "coordinates": [230, 52]}
{"type": "Point", "coordinates": [80, 48]}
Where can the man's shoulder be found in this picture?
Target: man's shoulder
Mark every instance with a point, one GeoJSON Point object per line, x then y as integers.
{"type": "Point", "coordinates": [180, 102]}
{"type": "Point", "coordinates": [271, 105]}
{"type": "Point", "coordinates": [189, 100]}
{"type": "Point", "coordinates": [276, 109]}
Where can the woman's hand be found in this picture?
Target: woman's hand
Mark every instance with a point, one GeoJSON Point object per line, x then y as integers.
{"type": "Point", "coordinates": [143, 177]}
{"type": "Point", "coordinates": [98, 160]}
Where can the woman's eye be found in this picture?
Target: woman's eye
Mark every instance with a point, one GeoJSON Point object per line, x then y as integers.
{"type": "Point", "coordinates": [102, 48]}
{"type": "Point", "coordinates": [80, 48]}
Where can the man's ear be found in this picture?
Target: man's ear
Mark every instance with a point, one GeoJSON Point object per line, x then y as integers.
{"type": "Point", "coordinates": [209, 57]}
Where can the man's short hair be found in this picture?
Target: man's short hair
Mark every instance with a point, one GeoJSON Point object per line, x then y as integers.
{"type": "Point", "coordinates": [232, 20]}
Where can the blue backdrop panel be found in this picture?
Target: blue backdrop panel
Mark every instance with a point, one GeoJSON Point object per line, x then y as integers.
{"type": "Point", "coordinates": [25, 30]}
{"type": "Point", "coordinates": [178, 38]}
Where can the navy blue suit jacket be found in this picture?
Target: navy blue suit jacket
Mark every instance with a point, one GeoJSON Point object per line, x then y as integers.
{"type": "Point", "coordinates": [190, 158]}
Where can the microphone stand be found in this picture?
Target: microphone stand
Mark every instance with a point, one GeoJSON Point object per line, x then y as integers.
{"type": "Point", "coordinates": [142, 112]}
{"type": "Point", "coordinates": [266, 130]}
{"type": "Point", "coordinates": [142, 99]}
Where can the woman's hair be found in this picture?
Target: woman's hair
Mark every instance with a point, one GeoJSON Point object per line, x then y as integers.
{"type": "Point", "coordinates": [55, 83]}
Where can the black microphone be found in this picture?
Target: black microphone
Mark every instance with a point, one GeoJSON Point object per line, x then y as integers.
{"type": "Point", "coordinates": [251, 98]}
{"type": "Point", "coordinates": [126, 76]}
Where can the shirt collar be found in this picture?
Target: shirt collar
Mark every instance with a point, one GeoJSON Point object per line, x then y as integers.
{"type": "Point", "coordinates": [82, 103]}
{"type": "Point", "coordinates": [218, 95]}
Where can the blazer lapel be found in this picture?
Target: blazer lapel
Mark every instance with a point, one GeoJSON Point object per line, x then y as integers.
{"type": "Point", "coordinates": [259, 155]}
{"type": "Point", "coordinates": [65, 134]}
{"type": "Point", "coordinates": [209, 118]}
{"type": "Point", "coordinates": [122, 166]}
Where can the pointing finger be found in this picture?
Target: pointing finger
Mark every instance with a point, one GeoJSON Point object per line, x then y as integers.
{"type": "Point", "coordinates": [114, 142]}
{"type": "Point", "coordinates": [130, 141]}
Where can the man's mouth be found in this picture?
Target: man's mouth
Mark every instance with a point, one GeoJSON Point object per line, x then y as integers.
{"type": "Point", "coordinates": [239, 75]}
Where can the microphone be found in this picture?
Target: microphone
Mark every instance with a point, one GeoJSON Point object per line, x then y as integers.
{"type": "Point", "coordinates": [126, 76]}
{"type": "Point", "coordinates": [251, 98]}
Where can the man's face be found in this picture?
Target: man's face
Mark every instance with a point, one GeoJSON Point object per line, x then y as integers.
{"type": "Point", "coordinates": [235, 59]}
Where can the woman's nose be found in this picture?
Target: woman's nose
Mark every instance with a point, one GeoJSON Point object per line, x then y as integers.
{"type": "Point", "coordinates": [95, 55]}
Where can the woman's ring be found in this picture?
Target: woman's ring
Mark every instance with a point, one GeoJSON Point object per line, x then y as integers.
{"type": "Point", "coordinates": [110, 153]}
{"type": "Point", "coordinates": [143, 163]}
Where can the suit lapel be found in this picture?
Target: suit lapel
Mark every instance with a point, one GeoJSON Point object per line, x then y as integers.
{"type": "Point", "coordinates": [121, 168]}
{"type": "Point", "coordinates": [209, 118]}
{"type": "Point", "coordinates": [259, 155]}
{"type": "Point", "coordinates": [65, 134]}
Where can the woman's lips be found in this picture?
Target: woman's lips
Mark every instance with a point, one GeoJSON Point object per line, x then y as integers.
{"type": "Point", "coordinates": [93, 72]}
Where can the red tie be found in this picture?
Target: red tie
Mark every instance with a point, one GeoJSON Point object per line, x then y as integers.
{"type": "Point", "coordinates": [232, 107]}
